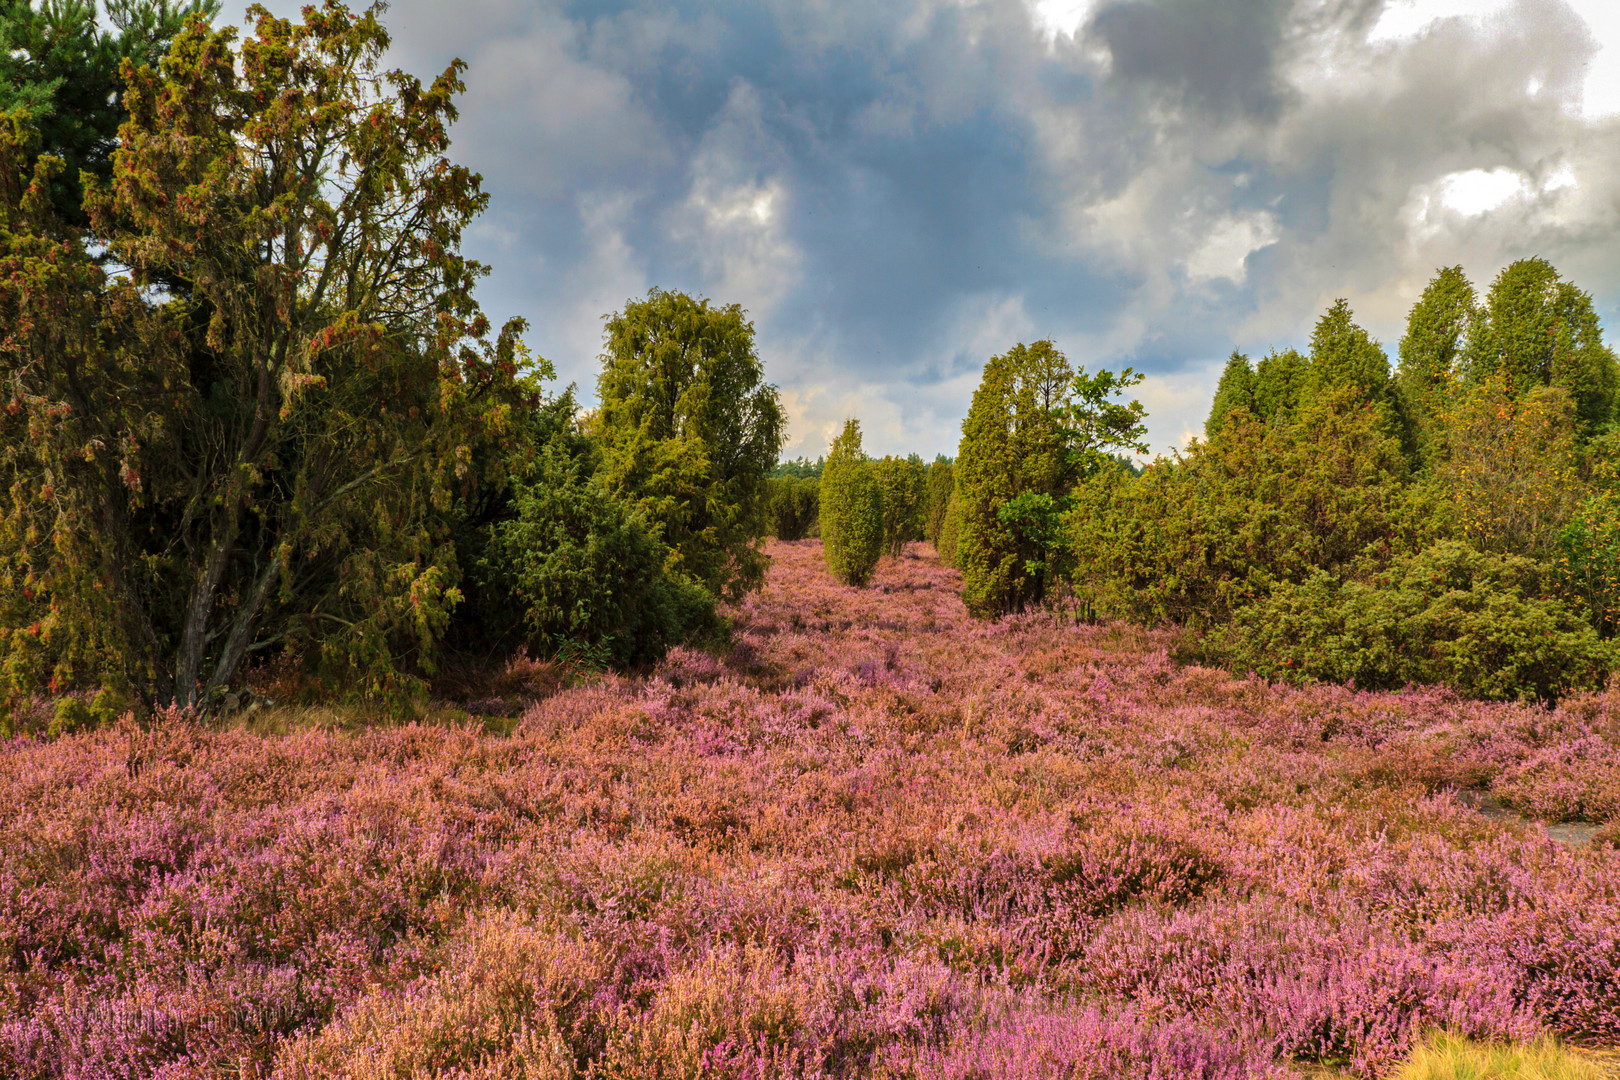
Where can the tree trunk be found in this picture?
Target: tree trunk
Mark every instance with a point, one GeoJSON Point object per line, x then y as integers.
{"type": "Point", "coordinates": [247, 621]}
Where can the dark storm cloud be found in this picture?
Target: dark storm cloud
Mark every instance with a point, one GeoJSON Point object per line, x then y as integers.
{"type": "Point", "coordinates": [897, 189]}
{"type": "Point", "coordinates": [1216, 57]}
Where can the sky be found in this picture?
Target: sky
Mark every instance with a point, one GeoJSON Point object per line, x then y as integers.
{"type": "Point", "coordinates": [896, 190]}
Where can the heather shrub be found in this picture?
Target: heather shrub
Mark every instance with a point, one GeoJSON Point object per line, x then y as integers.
{"type": "Point", "coordinates": [511, 1000]}
{"type": "Point", "coordinates": [792, 506]}
{"type": "Point", "coordinates": [1477, 622]}
{"type": "Point", "coordinates": [1090, 1044]}
{"type": "Point", "coordinates": [851, 510]}
{"type": "Point", "coordinates": [878, 837]}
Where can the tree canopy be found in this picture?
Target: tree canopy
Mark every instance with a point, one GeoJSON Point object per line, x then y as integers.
{"type": "Point", "coordinates": [690, 430]}
{"type": "Point", "coordinates": [64, 68]}
{"type": "Point", "coordinates": [251, 438]}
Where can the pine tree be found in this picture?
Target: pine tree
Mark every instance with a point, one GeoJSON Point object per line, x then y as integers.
{"type": "Point", "coordinates": [851, 510]}
{"type": "Point", "coordinates": [64, 69]}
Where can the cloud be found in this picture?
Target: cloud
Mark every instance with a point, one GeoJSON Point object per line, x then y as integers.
{"type": "Point", "coordinates": [897, 189]}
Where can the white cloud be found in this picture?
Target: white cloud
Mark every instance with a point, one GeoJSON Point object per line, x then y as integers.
{"type": "Point", "coordinates": [733, 218]}
{"type": "Point", "coordinates": [1061, 16]}
{"type": "Point", "coordinates": [1473, 192]}
{"type": "Point", "coordinates": [1406, 19]}
{"type": "Point", "coordinates": [1225, 250]}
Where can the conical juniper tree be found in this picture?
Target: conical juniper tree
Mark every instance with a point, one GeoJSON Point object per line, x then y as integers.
{"type": "Point", "coordinates": [1432, 351]}
{"type": "Point", "coordinates": [1535, 329]}
{"type": "Point", "coordinates": [1234, 391]}
{"type": "Point", "coordinates": [1034, 429]}
{"type": "Point", "coordinates": [1279, 380]}
{"type": "Point", "coordinates": [690, 431]}
{"type": "Point", "coordinates": [251, 440]}
{"type": "Point", "coordinates": [851, 509]}
{"type": "Point", "coordinates": [941, 486]}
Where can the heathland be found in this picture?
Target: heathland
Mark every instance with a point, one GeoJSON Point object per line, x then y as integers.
{"type": "Point", "coordinates": [873, 837]}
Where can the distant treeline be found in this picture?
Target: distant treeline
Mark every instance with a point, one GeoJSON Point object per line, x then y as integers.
{"type": "Point", "coordinates": [1454, 521]}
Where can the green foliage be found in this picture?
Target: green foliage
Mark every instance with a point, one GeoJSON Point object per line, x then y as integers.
{"type": "Point", "coordinates": [690, 431]}
{"type": "Point", "coordinates": [949, 530]}
{"type": "Point", "coordinates": [1343, 354]}
{"type": "Point", "coordinates": [941, 486]}
{"type": "Point", "coordinates": [1012, 445]}
{"type": "Point", "coordinates": [793, 505]}
{"type": "Point", "coordinates": [1035, 428]}
{"type": "Point", "coordinates": [1510, 466]}
{"type": "Point", "coordinates": [1432, 351]}
{"type": "Point", "coordinates": [1235, 390]}
{"type": "Point", "coordinates": [851, 510]}
{"type": "Point", "coordinates": [1472, 620]}
{"type": "Point", "coordinates": [1300, 542]}
{"type": "Point", "coordinates": [801, 467]}
{"type": "Point", "coordinates": [1587, 562]}
{"type": "Point", "coordinates": [1279, 384]}
{"type": "Point", "coordinates": [60, 65]}
{"type": "Point", "coordinates": [573, 567]}
{"type": "Point", "coordinates": [903, 482]}
{"type": "Point", "coordinates": [1535, 329]}
{"type": "Point", "coordinates": [262, 453]}
{"type": "Point", "coordinates": [1192, 540]}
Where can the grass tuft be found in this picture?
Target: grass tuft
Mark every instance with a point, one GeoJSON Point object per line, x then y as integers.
{"type": "Point", "coordinates": [1446, 1057]}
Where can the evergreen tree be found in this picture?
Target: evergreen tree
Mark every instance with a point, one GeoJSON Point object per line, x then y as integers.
{"type": "Point", "coordinates": [690, 432]}
{"type": "Point", "coordinates": [570, 565]}
{"type": "Point", "coordinates": [60, 65]}
{"type": "Point", "coordinates": [903, 481]}
{"type": "Point", "coordinates": [851, 510]}
{"type": "Point", "coordinates": [1235, 390]}
{"type": "Point", "coordinates": [1432, 350]}
{"type": "Point", "coordinates": [263, 452]}
{"type": "Point", "coordinates": [1035, 428]}
{"type": "Point", "coordinates": [793, 504]}
{"type": "Point", "coordinates": [1013, 454]}
{"type": "Point", "coordinates": [1535, 329]}
{"type": "Point", "coordinates": [1343, 354]}
{"type": "Point", "coordinates": [949, 531]}
{"type": "Point", "coordinates": [941, 486]}
{"type": "Point", "coordinates": [1279, 380]}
